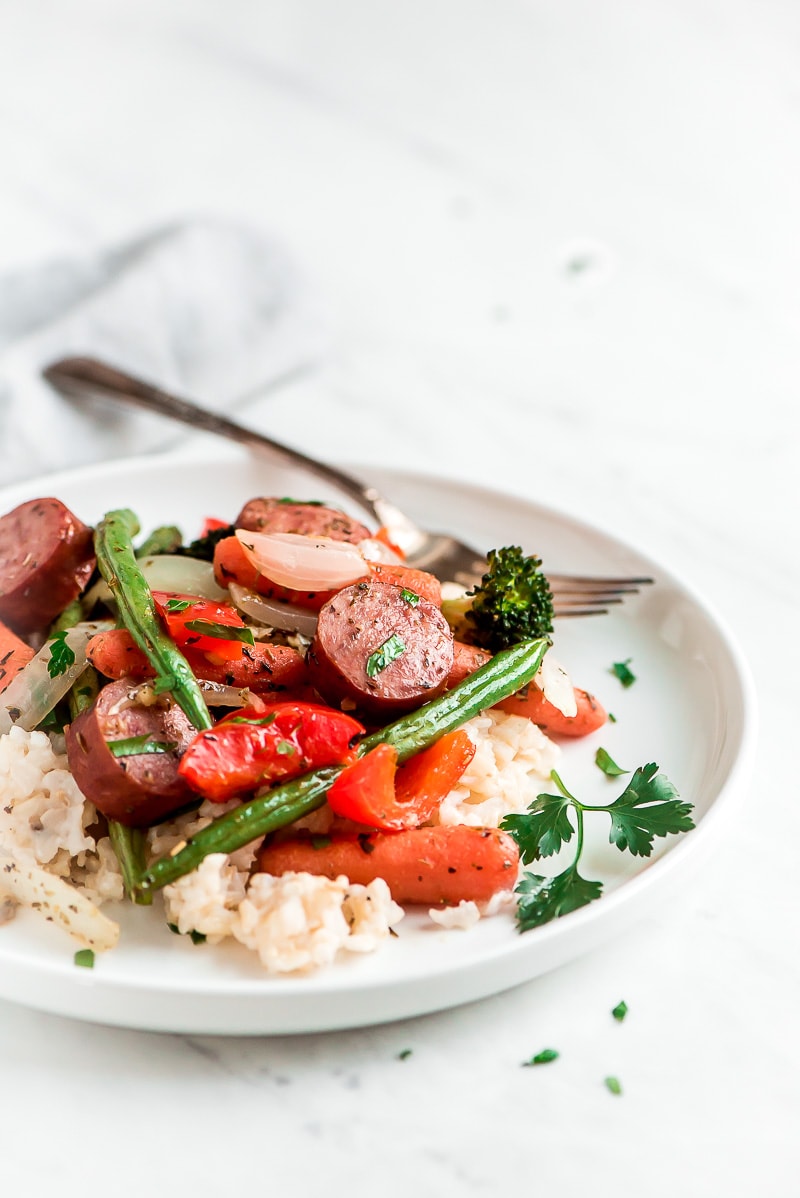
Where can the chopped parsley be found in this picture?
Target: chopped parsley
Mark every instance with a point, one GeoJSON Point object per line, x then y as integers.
{"type": "Point", "coordinates": [607, 764]}
{"type": "Point", "coordinates": [302, 502]}
{"type": "Point", "coordinates": [85, 958]}
{"type": "Point", "coordinates": [648, 807]}
{"type": "Point", "coordinates": [543, 1058]}
{"type": "Point", "coordinates": [134, 746]}
{"type": "Point", "coordinates": [176, 605]}
{"type": "Point", "coordinates": [388, 652]}
{"type": "Point", "coordinates": [320, 842]}
{"type": "Point", "coordinates": [409, 597]}
{"type": "Point", "coordinates": [612, 1084]}
{"type": "Point", "coordinates": [620, 1011]}
{"type": "Point", "coordinates": [620, 670]}
{"type": "Point", "coordinates": [221, 632]}
{"type": "Point", "coordinates": [61, 655]}
{"type": "Point", "coordinates": [285, 748]}
{"type": "Point", "coordinates": [404, 1054]}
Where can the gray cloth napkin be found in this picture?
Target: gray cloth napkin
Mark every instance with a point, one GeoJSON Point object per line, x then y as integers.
{"type": "Point", "coordinates": [212, 310]}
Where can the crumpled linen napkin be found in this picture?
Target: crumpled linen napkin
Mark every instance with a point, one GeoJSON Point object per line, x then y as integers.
{"type": "Point", "coordinates": [212, 310]}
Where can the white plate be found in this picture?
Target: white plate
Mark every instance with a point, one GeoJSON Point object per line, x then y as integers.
{"type": "Point", "coordinates": [690, 711]}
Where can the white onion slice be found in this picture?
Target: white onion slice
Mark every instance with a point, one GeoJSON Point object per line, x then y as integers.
{"type": "Point", "coordinates": [32, 694]}
{"type": "Point", "coordinates": [303, 563]}
{"type": "Point", "coordinates": [166, 572]}
{"type": "Point", "coordinates": [286, 616]}
{"type": "Point", "coordinates": [57, 901]}
{"type": "Point", "coordinates": [377, 551]}
{"type": "Point", "coordinates": [555, 684]}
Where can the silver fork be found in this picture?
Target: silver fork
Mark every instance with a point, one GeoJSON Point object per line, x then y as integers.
{"type": "Point", "coordinates": [442, 555]}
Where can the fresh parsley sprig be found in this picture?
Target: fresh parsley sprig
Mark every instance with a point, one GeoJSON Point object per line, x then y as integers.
{"type": "Point", "coordinates": [648, 807]}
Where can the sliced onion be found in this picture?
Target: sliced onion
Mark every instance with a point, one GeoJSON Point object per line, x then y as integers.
{"type": "Point", "coordinates": [378, 551]}
{"type": "Point", "coordinates": [555, 684]}
{"type": "Point", "coordinates": [166, 572]}
{"type": "Point", "coordinates": [219, 695]}
{"type": "Point", "coordinates": [33, 694]}
{"type": "Point", "coordinates": [303, 563]}
{"type": "Point", "coordinates": [286, 616]}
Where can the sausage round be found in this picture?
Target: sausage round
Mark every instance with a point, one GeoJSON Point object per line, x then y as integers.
{"type": "Point", "coordinates": [46, 559]}
{"type": "Point", "coordinates": [135, 790]}
{"type": "Point", "coordinates": [309, 519]}
{"type": "Point", "coordinates": [381, 649]}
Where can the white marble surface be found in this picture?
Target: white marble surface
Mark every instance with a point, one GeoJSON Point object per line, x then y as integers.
{"type": "Point", "coordinates": [558, 248]}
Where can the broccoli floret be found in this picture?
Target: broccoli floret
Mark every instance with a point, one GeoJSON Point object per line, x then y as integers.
{"type": "Point", "coordinates": [513, 603]}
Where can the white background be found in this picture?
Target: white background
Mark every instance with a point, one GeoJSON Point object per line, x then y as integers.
{"type": "Point", "coordinates": [558, 248]}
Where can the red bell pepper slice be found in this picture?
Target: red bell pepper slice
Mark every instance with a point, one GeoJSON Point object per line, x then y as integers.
{"type": "Point", "coordinates": [266, 743]}
{"type": "Point", "coordinates": [200, 625]}
{"type": "Point", "coordinates": [376, 792]}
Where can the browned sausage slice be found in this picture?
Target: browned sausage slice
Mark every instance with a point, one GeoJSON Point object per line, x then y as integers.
{"type": "Point", "coordinates": [381, 648]}
{"type": "Point", "coordinates": [308, 519]}
{"type": "Point", "coordinates": [139, 789]}
{"type": "Point", "coordinates": [46, 559]}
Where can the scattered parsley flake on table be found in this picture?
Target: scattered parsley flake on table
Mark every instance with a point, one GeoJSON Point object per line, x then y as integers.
{"type": "Point", "coordinates": [542, 1058]}
{"type": "Point", "coordinates": [85, 958]}
{"type": "Point", "coordinates": [612, 1084]}
{"type": "Point", "coordinates": [620, 1011]}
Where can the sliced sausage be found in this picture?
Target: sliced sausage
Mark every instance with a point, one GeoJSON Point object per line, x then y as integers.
{"type": "Point", "coordinates": [46, 559]}
{"type": "Point", "coordinates": [380, 649]}
{"type": "Point", "coordinates": [135, 790]}
{"type": "Point", "coordinates": [309, 519]}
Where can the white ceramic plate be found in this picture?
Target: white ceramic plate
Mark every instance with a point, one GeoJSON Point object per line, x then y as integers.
{"type": "Point", "coordinates": [690, 711]}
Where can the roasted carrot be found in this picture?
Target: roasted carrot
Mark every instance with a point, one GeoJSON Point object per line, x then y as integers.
{"type": "Point", "coordinates": [14, 654]}
{"type": "Point", "coordinates": [466, 660]}
{"type": "Point", "coordinates": [419, 581]}
{"type": "Point", "coordinates": [262, 668]}
{"type": "Point", "coordinates": [590, 716]}
{"type": "Point", "coordinates": [530, 702]}
{"type": "Point", "coordinates": [421, 865]}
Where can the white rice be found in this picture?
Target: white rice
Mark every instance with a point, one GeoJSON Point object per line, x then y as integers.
{"type": "Point", "coordinates": [45, 820]}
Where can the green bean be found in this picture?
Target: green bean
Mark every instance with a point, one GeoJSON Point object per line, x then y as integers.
{"type": "Point", "coordinates": [69, 617]}
{"type": "Point", "coordinates": [129, 846]}
{"type": "Point", "coordinates": [506, 673]}
{"type": "Point", "coordinates": [165, 539]}
{"type": "Point", "coordinates": [117, 563]}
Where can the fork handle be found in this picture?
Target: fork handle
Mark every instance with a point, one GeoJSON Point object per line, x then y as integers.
{"type": "Point", "coordinates": [81, 377]}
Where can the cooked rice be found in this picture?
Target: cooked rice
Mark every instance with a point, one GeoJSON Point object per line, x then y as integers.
{"type": "Point", "coordinates": [299, 922]}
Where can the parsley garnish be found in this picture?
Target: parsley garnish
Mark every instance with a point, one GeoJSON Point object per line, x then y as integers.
{"type": "Point", "coordinates": [320, 842]}
{"type": "Point", "coordinates": [648, 807]}
{"type": "Point", "coordinates": [260, 721]}
{"type": "Point", "coordinates": [221, 632]}
{"type": "Point", "coordinates": [620, 669]}
{"type": "Point", "coordinates": [612, 1084]}
{"type": "Point", "coordinates": [61, 655]}
{"type": "Point", "coordinates": [404, 1054]}
{"type": "Point", "coordinates": [543, 1058]}
{"type": "Point", "coordinates": [302, 502]}
{"type": "Point", "coordinates": [388, 652]}
{"type": "Point", "coordinates": [607, 764]}
{"type": "Point", "coordinates": [620, 1011]}
{"type": "Point", "coordinates": [176, 605]}
{"type": "Point", "coordinates": [85, 958]}
{"type": "Point", "coordinates": [409, 597]}
{"type": "Point", "coordinates": [133, 746]}
{"type": "Point", "coordinates": [285, 748]}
